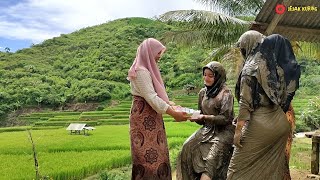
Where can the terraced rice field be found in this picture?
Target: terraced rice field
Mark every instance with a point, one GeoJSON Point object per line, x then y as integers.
{"type": "Point", "coordinates": [65, 156]}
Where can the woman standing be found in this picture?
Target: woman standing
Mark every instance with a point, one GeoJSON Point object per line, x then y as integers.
{"type": "Point", "coordinates": [206, 153]}
{"type": "Point", "coordinates": [265, 88]}
{"type": "Point", "coordinates": [149, 148]}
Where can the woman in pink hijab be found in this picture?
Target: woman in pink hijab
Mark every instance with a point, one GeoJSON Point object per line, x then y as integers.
{"type": "Point", "coordinates": [149, 148]}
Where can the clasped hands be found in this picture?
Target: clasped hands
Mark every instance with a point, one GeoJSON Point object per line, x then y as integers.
{"type": "Point", "coordinates": [185, 116]}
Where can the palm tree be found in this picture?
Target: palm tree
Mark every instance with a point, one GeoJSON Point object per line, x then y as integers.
{"type": "Point", "coordinates": [7, 49]}
{"type": "Point", "coordinates": [220, 27]}
{"type": "Point", "coordinates": [213, 27]}
{"type": "Point", "coordinates": [201, 26]}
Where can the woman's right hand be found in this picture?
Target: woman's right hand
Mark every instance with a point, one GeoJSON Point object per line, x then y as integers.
{"type": "Point", "coordinates": [238, 133]}
{"type": "Point", "coordinates": [236, 138]}
{"type": "Point", "coordinates": [177, 115]}
{"type": "Point", "coordinates": [181, 116]}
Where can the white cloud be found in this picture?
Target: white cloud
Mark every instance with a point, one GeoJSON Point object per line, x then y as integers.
{"type": "Point", "coordinates": [38, 20]}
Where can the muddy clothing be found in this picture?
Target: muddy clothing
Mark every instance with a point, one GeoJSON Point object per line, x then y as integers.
{"type": "Point", "coordinates": [264, 138]}
{"type": "Point", "coordinates": [209, 149]}
{"type": "Point", "coordinates": [265, 88]}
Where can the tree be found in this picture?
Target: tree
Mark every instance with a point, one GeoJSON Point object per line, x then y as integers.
{"type": "Point", "coordinates": [218, 28]}
{"type": "Point", "coordinates": [7, 49]}
{"type": "Point", "coordinates": [213, 27]}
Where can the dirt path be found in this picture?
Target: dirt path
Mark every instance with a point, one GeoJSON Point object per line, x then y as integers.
{"type": "Point", "coordinates": [300, 174]}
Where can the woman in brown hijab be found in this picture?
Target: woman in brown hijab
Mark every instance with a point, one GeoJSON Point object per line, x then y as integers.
{"type": "Point", "coordinates": [206, 153]}
{"type": "Point", "coordinates": [265, 88]}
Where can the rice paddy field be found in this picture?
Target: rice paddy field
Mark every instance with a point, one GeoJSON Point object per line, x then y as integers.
{"type": "Point", "coordinates": [62, 155]}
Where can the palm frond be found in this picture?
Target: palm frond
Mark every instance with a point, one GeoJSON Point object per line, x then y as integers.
{"type": "Point", "coordinates": [202, 17]}
{"type": "Point", "coordinates": [185, 37]}
{"type": "Point", "coordinates": [204, 27]}
{"type": "Point", "coordinates": [308, 51]}
{"type": "Point", "coordinates": [234, 7]}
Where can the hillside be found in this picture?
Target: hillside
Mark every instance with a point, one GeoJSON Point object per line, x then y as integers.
{"type": "Point", "coordinates": [89, 65]}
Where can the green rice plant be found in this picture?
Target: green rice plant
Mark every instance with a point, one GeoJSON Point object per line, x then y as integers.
{"type": "Point", "coordinates": [17, 166]}
{"type": "Point", "coordinates": [69, 116]}
{"type": "Point", "coordinates": [58, 140]}
{"type": "Point", "coordinates": [56, 113]}
{"type": "Point", "coordinates": [118, 112]}
{"type": "Point", "coordinates": [125, 115]}
{"type": "Point", "coordinates": [174, 152]}
{"type": "Point", "coordinates": [95, 116]}
{"type": "Point", "coordinates": [117, 108]}
{"type": "Point", "coordinates": [65, 123]}
{"type": "Point", "coordinates": [39, 115]}
{"type": "Point", "coordinates": [62, 165]}
{"type": "Point", "coordinates": [65, 156]}
{"type": "Point", "coordinates": [168, 119]}
{"type": "Point", "coordinates": [114, 121]}
{"type": "Point", "coordinates": [94, 112]}
{"type": "Point", "coordinates": [12, 129]}
{"type": "Point", "coordinates": [14, 143]}
{"type": "Point", "coordinates": [116, 173]}
{"type": "Point", "coordinates": [174, 142]}
{"type": "Point", "coordinates": [30, 118]}
{"type": "Point", "coordinates": [180, 129]}
{"type": "Point", "coordinates": [45, 127]}
{"type": "Point", "coordinates": [64, 118]}
{"type": "Point", "coordinates": [301, 154]}
{"type": "Point", "coordinates": [94, 162]}
{"type": "Point", "coordinates": [124, 106]}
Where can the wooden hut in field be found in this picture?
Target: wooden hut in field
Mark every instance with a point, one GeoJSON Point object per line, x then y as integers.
{"type": "Point", "coordinates": [76, 128]}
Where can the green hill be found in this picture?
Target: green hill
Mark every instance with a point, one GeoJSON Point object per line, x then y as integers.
{"type": "Point", "coordinates": [89, 65]}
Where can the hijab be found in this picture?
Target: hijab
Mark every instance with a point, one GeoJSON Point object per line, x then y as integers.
{"type": "Point", "coordinates": [278, 50]}
{"type": "Point", "coordinates": [272, 62]}
{"type": "Point", "coordinates": [219, 78]}
{"type": "Point", "coordinates": [249, 41]}
{"type": "Point", "coordinates": [145, 59]}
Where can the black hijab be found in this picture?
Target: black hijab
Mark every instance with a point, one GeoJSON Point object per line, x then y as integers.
{"type": "Point", "coordinates": [273, 64]}
{"type": "Point", "coordinates": [277, 50]}
{"type": "Point", "coordinates": [219, 78]}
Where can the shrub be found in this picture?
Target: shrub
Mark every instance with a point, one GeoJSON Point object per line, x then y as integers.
{"type": "Point", "coordinates": [311, 115]}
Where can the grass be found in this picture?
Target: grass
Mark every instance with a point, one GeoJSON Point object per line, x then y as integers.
{"type": "Point", "coordinates": [65, 156]}
{"type": "Point", "coordinates": [301, 154]}
{"type": "Point", "coordinates": [117, 115]}
{"type": "Point", "coordinates": [106, 151]}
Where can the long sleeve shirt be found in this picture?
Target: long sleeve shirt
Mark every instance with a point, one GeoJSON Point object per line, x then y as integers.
{"type": "Point", "coordinates": [142, 86]}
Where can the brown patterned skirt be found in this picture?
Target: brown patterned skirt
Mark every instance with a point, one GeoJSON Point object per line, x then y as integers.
{"type": "Point", "coordinates": [149, 148]}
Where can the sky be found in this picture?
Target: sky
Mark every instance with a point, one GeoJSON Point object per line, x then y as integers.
{"type": "Point", "coordinates": [27, 22]}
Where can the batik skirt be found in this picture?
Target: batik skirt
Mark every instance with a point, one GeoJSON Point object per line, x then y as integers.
{"type": "Point", "coordinates": [149, 147]}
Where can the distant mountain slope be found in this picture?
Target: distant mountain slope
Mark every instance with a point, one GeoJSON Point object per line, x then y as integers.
{"type": "Point", "coordinates": [89, 65]}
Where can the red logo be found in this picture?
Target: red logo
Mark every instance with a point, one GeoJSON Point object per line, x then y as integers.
{"type": "Point", "coordinates": [280, 9]}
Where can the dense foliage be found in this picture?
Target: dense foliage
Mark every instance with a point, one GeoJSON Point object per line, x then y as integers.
{"type": "Point", "coordinates": [89, 65]}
